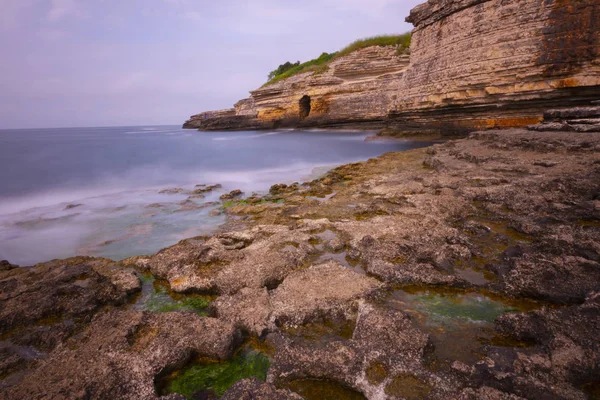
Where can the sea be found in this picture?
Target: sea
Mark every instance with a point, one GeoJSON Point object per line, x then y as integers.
{"type": "Point", "coordinates": [118, 192]}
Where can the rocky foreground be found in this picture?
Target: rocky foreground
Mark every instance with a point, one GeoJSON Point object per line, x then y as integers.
{"type": "Point", "coordinates": [327, 282]}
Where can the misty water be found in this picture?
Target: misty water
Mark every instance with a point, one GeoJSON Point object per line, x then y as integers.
{"type": "Point", "coordinates": [95, 191]}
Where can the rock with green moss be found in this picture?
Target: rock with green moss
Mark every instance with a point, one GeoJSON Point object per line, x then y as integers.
{"type": "Point", "coordinates": [217, 377]}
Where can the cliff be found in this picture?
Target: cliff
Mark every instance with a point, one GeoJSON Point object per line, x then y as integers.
{"type": "Point", "coordinates": [473, 64]}
{"type": "Point", "coordinates": [349, 92]}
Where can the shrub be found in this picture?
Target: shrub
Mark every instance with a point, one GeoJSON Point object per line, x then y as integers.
{"type": "Point", "coordinates": [283, 68]}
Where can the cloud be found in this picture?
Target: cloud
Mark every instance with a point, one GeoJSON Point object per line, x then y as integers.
{"type": "Point", "coordinates": [60, 9]}
{"type": "Point", "coordinates": [132, 81]}
{"type": "Point", "coordinates": [11, 12]}
{"type": "Point", "coordinates": [193, 15]}
{"type": "Point", "coordinates": [136, 61]}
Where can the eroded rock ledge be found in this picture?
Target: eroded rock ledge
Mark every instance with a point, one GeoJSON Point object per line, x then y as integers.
{"type": "Point", "coordinates": [473, 64]}
{"type": "Point", "coordinates": [344, 281]}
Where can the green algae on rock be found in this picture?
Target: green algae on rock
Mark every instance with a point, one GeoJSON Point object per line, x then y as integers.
{"type": "Point", "coordinates": [443, 308]}
{"type": "Point", "coordinates": [209, 376]}
{"type": "Point", "coordinates": [458, 322]}
{"type": "Point", "coordinates": [157, 297]}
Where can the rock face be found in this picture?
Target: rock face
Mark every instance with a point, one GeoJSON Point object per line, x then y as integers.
{"type": "Point", "coordinates": [498, 63]}
{"type": "Point", "coordinates": [473, 64]}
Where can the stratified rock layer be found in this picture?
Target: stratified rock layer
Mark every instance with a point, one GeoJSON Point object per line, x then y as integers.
{"type": "Point", "coordinates": [473, 64]}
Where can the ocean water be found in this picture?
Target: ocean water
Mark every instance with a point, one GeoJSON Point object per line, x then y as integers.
{"type": "Point", "coordinates": [96, 191]}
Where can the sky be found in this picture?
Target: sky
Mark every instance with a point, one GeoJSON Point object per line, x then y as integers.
{"type": "Point", "coordinates": [72, 63]}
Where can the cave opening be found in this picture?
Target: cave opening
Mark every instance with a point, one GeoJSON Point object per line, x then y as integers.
{"type": "Point", "coordinates": [305, 104]}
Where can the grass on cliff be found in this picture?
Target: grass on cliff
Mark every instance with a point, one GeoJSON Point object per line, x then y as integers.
{"type": "Point", "coordinates": [321, 64]}
{"type": "Point", "coordinates": [401, 41]}
{"type": "Point", "coordinates": [317, 65]}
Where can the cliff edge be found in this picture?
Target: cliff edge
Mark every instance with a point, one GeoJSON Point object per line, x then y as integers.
{"type": "Point", "coordinates": [473, 64]}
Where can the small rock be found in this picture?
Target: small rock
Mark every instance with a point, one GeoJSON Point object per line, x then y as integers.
{"type": "Point", "coordinates": [171, 191]}
{"type": "Point", "coordinates": [205, 189]}
{"type": "Point", "coordinates": [5, 265]}
{"type": "Point", "coordinates": [276, 189]}
{"type": "Point", "coordinates": [231, 195]}
{"type": "Point", "coordinates": [253, 200]}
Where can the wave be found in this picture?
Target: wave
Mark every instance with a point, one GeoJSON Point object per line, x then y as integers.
{"type": "Point", "coordinates": [127, 186]}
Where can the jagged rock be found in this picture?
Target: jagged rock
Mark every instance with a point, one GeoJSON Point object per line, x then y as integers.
{"type": "Point", "coordinates": [385, 348]}
{"type": "Point", "coordinates": [322, 291]}
{"type": "Point", "coordinates": [231, 195]}
{"type": "Point", "coordinates": [248, 309]}
{"type": "Point", "coordinates": [44, 305]}
{"type": "Point", "coordinates": [563, 358]}
{"type": "Point", "coordinates": [279, 188]}
{"type": "Point", "coordinates": [229, 262]}
{"type": "Point", "coordinates": [62, 290]}
{"type": "Point", "coordinates": [121, 355]}
{"type": "Point", "coordinates": [201, 189]}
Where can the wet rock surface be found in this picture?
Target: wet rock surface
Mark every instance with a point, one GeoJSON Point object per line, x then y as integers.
{"type": "Point", "coordinates": [349, 285]}
{"type": "Point", "coordinates": [254, 389]}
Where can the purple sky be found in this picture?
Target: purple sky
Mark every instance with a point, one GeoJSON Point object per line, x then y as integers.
{"type": "Point", "coordinates": [145, 62]}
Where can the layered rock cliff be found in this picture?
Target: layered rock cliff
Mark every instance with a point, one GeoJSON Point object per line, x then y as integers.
{"type": "Point", "coordinates": [350, 91]}
{"type": "Point", "coordinates": [473, 64]}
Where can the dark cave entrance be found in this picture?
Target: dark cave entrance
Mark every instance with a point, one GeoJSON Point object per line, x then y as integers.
{"type": "Point", "coordinates": [304, 107]}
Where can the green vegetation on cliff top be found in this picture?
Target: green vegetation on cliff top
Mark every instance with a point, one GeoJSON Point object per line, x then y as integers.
{"type": "Point", "coordinates": [321, 64]}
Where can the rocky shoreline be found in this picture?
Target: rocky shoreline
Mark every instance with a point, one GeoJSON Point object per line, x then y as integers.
{"type": "Point", "coordinates": [465, 270]}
